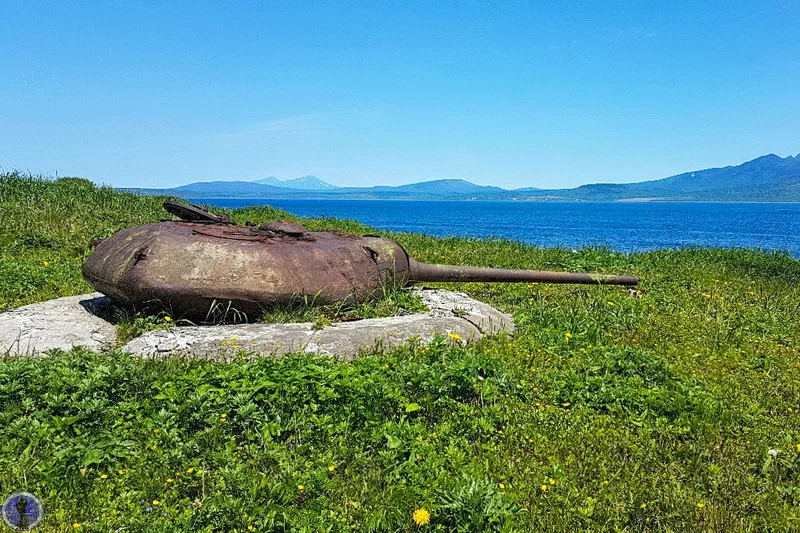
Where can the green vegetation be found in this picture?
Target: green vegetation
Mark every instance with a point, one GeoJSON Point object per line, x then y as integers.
{"type": "Point", "coordinates": [671, 410]}
{"type": "Point", "coordinates": [395, 300]}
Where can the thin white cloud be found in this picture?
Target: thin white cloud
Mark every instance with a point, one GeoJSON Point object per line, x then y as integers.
{"type": "Point", "coordinates": [631, 33]}
{"type": "Point", "coordinates": [297, 125]}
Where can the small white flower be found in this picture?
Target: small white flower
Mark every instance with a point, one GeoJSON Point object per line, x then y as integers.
{"type": "Point", "coordinates": [773, 452]}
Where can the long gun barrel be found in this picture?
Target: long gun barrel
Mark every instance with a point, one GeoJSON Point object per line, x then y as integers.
{"type": "Point", "coordinates": [427, 272]}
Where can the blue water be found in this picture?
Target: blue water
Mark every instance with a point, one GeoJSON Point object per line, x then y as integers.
{"type": "Point", "coordinates": [622, 226]}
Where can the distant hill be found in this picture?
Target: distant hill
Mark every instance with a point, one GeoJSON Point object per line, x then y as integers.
{"type": "Point", "coordinates": [451, 186]}
{"type": "Point", "coordinates": [766, 179]}
{"type": "Point", "coordinates": [306, 183]}
{"type": "Point", "coordinates": [218, 189]}
{"type": "Point", "coordinates": [441, 189]}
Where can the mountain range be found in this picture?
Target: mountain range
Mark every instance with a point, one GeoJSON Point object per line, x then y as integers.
{"type": "Point", "coordinates": [766, 179]}
{"type": "Point", "coordinates": [306, 183]}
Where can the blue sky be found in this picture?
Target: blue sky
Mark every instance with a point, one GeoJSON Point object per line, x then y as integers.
{"type": "Point", "coordinates": [545, 94]}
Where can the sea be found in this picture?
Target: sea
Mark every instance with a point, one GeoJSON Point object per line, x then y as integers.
{"type": "Point", "coordinates": [622, 226]}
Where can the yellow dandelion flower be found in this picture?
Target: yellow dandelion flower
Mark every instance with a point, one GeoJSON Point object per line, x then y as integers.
{"type": "Point", "coordinates": [798, 447]}
{"type": "Point", "coordinates": [544, 488]}
{"type": "Point", "coordinates": [552, 481]}
{"type": "Point", "coordinates": [643, 506]}
{"type": "Point", "coordinates": [103, 476]}
{"type": "Point", "coordinates": [605, 482]}
{"type": "Point", "coordinates": [700, 505]}
{"type": "Point", "coordinates": [419, 437]}
{"type": "Point", "coordinates": [45, 263]}
{"type": "Point", "coordinates": [170, 480]}
{"type": "Point", "coordinates": [568, 335]}
{"type": "Point", "coordinates": [154, 447]}
{"type": "Point", "coordinates": [300, 487]}
{"type": "Point", "coordinates": [705, 295]}
{"type": "Point", "coordinates": [76, 525]}
{"type": "Point", "coordinates": [421, 517]}
{"type": "Point", "coordinates": [612, 304]}
{"type": "Point", "coordinates": [167, 319]}
{"type": "Point", "coordinates": [501, 485]}
{"type": "Point", "coordinates": [223, 415]}
{"type": "Point", "coordinates": [190, 470]}
{"type": "Point", "coordinates": [156, 502]}
{"type": "Point", "coordinates": [331, 468]}
{"type": "Point", "coordinates": [455, 336]}
{"type": "Point", "coordinates": [565, 404]}
{"type": "Point", "coordinates": [120, 471]}
{"type": "Point", "coordinates": [251, 527]}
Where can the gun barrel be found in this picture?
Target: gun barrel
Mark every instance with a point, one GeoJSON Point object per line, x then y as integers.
{"type": "Point", "coordinates": [427, 272]}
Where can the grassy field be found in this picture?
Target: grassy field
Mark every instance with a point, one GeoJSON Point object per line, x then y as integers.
{"type": "Point", "coordinates": [676, 410]}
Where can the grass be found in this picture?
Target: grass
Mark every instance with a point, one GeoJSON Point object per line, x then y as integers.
{"type": "Point", "coordinates": [395, 300]}
{"type": "Point", "coordinates": [676, 410]}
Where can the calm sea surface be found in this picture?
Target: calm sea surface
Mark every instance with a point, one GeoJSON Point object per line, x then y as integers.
{"type": "Point", "coordinates": [622, 226]}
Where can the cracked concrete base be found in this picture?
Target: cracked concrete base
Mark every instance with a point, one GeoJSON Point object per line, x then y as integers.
{"type": "Point", "coordinates": [449, 312]}
{"type": "Point", "coordinates": [68, 322]}
{"type": "Point", "coordinates": [61, 323]}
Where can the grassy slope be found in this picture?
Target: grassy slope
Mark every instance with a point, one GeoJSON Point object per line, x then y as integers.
{"type": "Point", "coordinates": [606, 412]}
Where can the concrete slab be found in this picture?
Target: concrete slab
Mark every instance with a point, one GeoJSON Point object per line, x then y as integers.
{"type": "Point", "coordinates": [60, 323]}
{"type": "Point", "coordinates": [451, 313]}
{"type": "Point", "coordinates": [81, 321]}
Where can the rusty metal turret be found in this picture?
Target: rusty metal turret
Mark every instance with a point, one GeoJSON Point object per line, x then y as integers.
{"type": "Point", "coordinates": [188, 264]}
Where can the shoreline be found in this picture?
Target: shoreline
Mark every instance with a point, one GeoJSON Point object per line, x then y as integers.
{"type": "Point", "coordinates": [474, 200]}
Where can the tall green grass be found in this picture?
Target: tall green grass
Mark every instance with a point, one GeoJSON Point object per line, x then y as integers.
{"type": "Point", "coordinates": [671, 410]}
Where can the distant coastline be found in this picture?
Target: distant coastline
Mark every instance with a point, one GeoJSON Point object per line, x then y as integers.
{"type": "Point", "coordinates": [498, 200]}
{"type": "Point", "coordinates": [549, 199]}
{"type": "Point", "coordinates": [766, 179]}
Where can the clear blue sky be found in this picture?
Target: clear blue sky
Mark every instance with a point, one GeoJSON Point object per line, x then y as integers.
{"type": "Point", "coordinates": [515, 95]}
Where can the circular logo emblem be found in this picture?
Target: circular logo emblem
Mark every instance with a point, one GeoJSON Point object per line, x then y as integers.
{"type": "Point", "coordinates": [22, 511]}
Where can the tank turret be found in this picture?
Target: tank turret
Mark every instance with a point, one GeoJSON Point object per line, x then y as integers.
{"type": "Point", "coordinates": [186, 265]}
